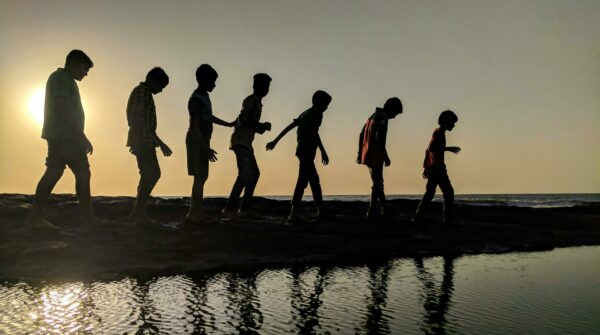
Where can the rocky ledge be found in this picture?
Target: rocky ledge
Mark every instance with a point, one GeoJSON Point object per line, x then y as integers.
{"type": "Point", "coordinates": [117, 248]}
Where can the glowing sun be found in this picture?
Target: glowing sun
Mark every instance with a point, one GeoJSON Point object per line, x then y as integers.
{"type": "Point", "coordinates": [36, 105]}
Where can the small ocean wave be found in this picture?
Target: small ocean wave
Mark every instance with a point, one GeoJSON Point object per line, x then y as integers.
{"type": "Point", "coordinates": [514, 200]}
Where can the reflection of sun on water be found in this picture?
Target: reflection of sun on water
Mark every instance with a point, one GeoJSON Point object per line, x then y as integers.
{"type": "Point", "coordinates": [36, 105]}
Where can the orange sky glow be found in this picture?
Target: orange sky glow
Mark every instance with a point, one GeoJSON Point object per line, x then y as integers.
{"type": "Point", "coordinates": [523, 77]}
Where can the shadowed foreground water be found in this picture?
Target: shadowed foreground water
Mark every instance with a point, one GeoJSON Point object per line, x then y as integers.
{"type": "Point", "coordinates": [555, 292]}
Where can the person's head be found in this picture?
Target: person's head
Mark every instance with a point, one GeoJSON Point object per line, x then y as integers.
{"type": "Point", "coordinates": [206, 77]}
{"type": "Point", "coordinates": [78, 64]}
{"type": "Point", "coordinates": [392, 107]}
{"type": "Point", "coordinates": [447, 120]}
{"type": "Point", "coordinates": [157, 79]}
{"type": "Point", "coordinates": [261, 85]}
{"type": "Point", "coordinates": [321, 100]}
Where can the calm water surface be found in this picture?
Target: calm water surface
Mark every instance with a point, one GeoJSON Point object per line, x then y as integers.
{"type": "Point", "coordinates": [556, 292]}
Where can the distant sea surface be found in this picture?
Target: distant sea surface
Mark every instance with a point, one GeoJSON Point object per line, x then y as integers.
{"type": "Point", "coordinates": [516, 200]}
{"type": "Point", "coordinates": [549, 200]}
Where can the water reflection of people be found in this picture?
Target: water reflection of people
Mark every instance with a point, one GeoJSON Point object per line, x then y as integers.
{"type": "Point", "coordinates": [198, 301]}
{"type": "Point", "coordinates": [305, 302]}
{"type": "Point", "coordinates": [376, 323]}
{"type": "Point", "coordinates": [141, 291]}
{"type": "Point", "coordinates": [437, 301]}
{"type": "Point", "coordinates": [243, 298]}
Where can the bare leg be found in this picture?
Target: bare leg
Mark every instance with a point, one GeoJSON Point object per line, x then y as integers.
{"type": "Point", "coordinates": [251, 173]}
{"type": "Point", "coordinates": [82, 190]}
{"type": "Point", "coordinates": [448, 192]}
{"type": "Point", "coordinates": [315, 187]}
{"type": "Point", "coordinates": [196, 199]}
{"type": "Point", "coordinates": [42, 192]}
{"type": "Point", "coordinates": [148, 179]}
{"type": "Point", "coordinates": [427, 197]}
{"type": "Point", "coordinates": [377, 195]}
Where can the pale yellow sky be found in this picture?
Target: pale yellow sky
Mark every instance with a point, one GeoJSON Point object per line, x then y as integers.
{"type": "Point", "coordinates": [523, 77]}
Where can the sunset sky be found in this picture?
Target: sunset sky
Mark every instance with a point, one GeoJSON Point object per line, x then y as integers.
{"type": "Point", "coordinates": [523, 77]}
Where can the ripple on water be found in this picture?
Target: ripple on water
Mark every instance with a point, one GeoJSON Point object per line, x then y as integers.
{"type": "Point", "coordinates": [535, 293]}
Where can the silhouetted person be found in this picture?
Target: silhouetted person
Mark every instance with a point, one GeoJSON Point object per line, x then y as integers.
{"type": "Point", "coordinates": [436, 302]}
{"type": "Point", "coordinates": [376, 322]}
{"type": "Point", "coordinates": [306, 300]}
{"type": "Point", "coordinates": [67, 144]}
{"type": "Point", "coordinates": [308, 124]}
{"type": "Point", "coordinates": [435, 168]}
{"type": "Point", "coordinates": [372, 151]}
{"type": "Point", "coordinates": [243, 297]}
{"type": "Point", "coordinates": [248, 124]}
{"type": "Point", "coordinates": [142, 139]}
{"type": "Point", "coordinates": [199, 152]}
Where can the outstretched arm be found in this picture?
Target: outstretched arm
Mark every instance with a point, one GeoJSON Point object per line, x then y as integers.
{"type": "Point", "coordinates": [223, 123]}
{"type": "Point", "coordinates": [453, 150]}
{"type": "Point", "coordinates": [324, 157]}
{"type": "Point", "coordinates": [271, 145]}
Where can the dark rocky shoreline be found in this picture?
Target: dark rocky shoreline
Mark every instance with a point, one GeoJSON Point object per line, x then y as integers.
{"type": "Point", "coordinates": [117, 249]}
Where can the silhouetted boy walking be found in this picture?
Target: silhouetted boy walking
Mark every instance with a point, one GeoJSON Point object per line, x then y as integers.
{"type": "Point", "coordinates": [248, 124]}
{"type": "Point", "coordinates": [142, 139]}
{"type": "Point", "coordinates": [435, 168]}
{"type": "Point", "coordinates": [372, 151]}
{"type": "Point", "coordinates": [197, 140]}
{"type": "Point", "coordinates": [64, 121]}
{"type": "Point", "coordinates": [308, 124]}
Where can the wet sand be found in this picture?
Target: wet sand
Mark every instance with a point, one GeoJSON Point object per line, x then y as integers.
{"type": "Point", "coordinates": [117, 248]}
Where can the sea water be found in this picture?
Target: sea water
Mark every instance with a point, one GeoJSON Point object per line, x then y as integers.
{"type": "Point", "coordinates": [517, 200]}
{"type": "Point", "coordinates": [554, 292]}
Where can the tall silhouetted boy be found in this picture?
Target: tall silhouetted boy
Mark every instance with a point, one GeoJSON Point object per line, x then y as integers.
{"type": "Point", "coordinates": [308, 124]}
{"type": "Point", "coordinates": [248, 124]}
{"type": "Point", "coordinates": [435, 168]}
{"type": "Point", "coordinates": [142, 139]}
{"type": "Point", "coordinates": [372, 151]}
{"type": "Point", "coordinates": [197, 140]}
{"type": "Point", "coordinates": [63, 128]}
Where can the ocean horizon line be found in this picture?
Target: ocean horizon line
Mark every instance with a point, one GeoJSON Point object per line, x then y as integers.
{"type": "Point", "coordinates": [327, 195]}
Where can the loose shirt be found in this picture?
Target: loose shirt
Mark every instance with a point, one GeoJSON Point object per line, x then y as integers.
{"type": "Point", "coordinates": [373, 138]}
{"type": "Point", "coordinates": [200, 109]}
{"type": "Point", "coordinates": [141, 118]}
{"type": "Point", "coordinates": [308, 132]}
{"type": "Point", "coordinates": [434, 155]}
{"type": "Point", "coordinates": [68, 123]}
{"type": "Point", "coordinates": [245, 128]}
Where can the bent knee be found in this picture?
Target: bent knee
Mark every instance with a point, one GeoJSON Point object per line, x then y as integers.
{"type": "Point", "coordinates": [377, 186]}
{"type": "Point", "coordinates": [256, 174]}
{"type": "Point", "coordinates": [152, 175]}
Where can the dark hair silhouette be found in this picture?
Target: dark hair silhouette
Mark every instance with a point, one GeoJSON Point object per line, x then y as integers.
{"type": "Point", "coordinates": [446, 117]}
{"type": "Point", "coordinates": [206, 72]}
{"type": "Point", "coordinates": [262, 78]}
{"type": "Point", "coordinates": [78, 57]}
{"type": "Point", "coordinates": [393, 105]}
{"type": "Point", "coordinates": [159, 75]}
{"type": "Point", "coordinates": [321, 98]}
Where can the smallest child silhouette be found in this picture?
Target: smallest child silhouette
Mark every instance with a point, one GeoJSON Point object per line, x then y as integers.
{"type": "Point", "coordinates": [435, 168]}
